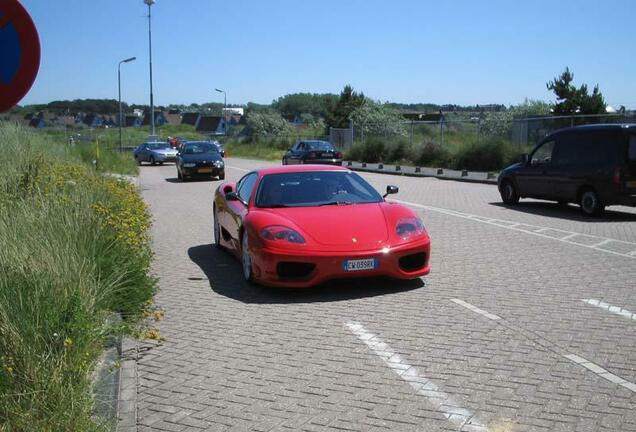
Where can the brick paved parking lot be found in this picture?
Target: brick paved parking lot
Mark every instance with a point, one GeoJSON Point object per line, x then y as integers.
{"type": "Point", "coordinates": [525, 323]}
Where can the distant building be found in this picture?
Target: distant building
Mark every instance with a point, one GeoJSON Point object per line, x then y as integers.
{"type": "Point", "coordinates": [190, 118]}
{"type": "Point", "coordinates": [160, 119]}
{"type": "Point", "coordinates": [212, 125]}
{"type": "Point", "coordinates": [233, 110]}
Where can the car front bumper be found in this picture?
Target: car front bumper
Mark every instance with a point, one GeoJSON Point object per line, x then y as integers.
{"type": "Point", "coordinates": [203, 171]}
{"type": "Point", "coordinates": [329, 265]}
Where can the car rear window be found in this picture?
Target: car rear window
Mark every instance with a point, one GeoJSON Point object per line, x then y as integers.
{"type": "Point", "coordinates": [318, 145]}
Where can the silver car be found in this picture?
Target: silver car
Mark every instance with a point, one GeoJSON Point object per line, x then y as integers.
{"type": "Point", "coordinates": [155, 153]}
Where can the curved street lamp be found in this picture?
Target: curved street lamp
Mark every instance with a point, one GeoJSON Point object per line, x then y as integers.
{"type": "Point", "coordinates": [119, 93]}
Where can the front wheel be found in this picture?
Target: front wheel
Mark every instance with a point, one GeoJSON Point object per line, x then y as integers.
{"type": "Point", "coordinates": [590, 203]}
{"type": "Point", "coordinates": [152, 160]}
{"type": "Point", "coordinates": [509, 193]}
{"type": "Point", "coordinates": [246, 259]}
{"type": "Point", "coordinates": [222, 176]}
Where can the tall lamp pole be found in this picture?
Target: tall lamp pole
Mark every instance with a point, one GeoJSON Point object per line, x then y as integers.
{"type": "Point", "coordinates": [119, 93]}
{"type": "Point", "coordinates": [224, 110]}
{"type": "Point", "coordinates": [152, 106]}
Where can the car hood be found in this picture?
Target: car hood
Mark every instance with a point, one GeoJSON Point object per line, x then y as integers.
{"type": "Point", "coordinates": [205, 157]}
{"type": "Point", "coordinates": [356, 225]}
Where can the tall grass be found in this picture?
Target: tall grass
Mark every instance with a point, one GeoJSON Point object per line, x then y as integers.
{"type": "Point", "coordinates": [73, 249]}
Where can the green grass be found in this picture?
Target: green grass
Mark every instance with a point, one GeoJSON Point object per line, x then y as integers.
{"type": "Point", "coordinates": [260, 151]}
{"type": "Point", "coordinates": [73, 249]}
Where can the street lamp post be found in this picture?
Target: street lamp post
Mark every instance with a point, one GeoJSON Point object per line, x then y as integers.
{"type": "Point", "coordinates": [152, 106]}
{"type": "Point", "coordinates": [224, 109]}
{"type": "Point", "coordinates": [119, 93]}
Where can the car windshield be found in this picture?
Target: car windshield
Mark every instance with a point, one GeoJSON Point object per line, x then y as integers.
{"type": "Point", "coordinates": [318, 145]}
{"type": "Point", "coordinates": [199, 148]}
{"type": "Point", "coordinates": [158, 146]}
{"type": "Point", "coordinates": [314, 188]}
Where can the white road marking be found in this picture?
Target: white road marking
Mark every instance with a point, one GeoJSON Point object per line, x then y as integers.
{"type": "Point", "coordinates": [569, 236]}
{"type": "Point", "coordinates": [237, 168]}
{"type": "Point", "coordinates": [538, 232]}
{"type": "Point", "coordinates": [476, 309]}
{"type": "Point", "coordinates": [601, 372]}
{"type": "Point", "coordinates": [442, 402]}
{"type": "Point", "coordinates": [612, 309]}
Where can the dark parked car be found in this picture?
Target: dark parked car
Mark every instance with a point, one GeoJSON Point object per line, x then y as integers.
{"type": "Point", "coordinates": [594, 166]}
{"type": "Point", "coordinates": [312, 152]}
{"type": "Point", "coordinates": [199, 159]}
{"type": "Point", "coordinates": [155, 152]}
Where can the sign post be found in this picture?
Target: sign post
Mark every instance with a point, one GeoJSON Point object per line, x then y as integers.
{"type": "Point", "coordinates": [20, 53]}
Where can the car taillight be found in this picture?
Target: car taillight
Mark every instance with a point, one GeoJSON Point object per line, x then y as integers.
{"type": "Point", "coordinates": [338, 155]}
{"type": "Point", "coordinates": [617, 176]}
{"type": "Point", "coordinates": [311, 155]}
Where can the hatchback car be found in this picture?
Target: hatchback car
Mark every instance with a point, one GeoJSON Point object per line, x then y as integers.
{"type": "Point", "coordinates": [155, 152]}
{"type": "Point", "coordinates": [199, 159]}
{"type": "Point", "coordinates": [594, 166]}
{"type": "Point", "coordinates": [313, 152]}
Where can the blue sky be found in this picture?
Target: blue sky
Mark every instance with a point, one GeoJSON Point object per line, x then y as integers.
{"type": "Point", "coordinates": [463, 52]}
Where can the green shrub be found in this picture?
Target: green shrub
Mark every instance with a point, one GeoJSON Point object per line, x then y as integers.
{"type": "Point", "coordinates": [74, 248]}
{"type": "Point", "coordinates": [372, 150]}
{"type": "Point", "coordinates": [396, 151]}
{"type": "Point", "coordinates": [488, 155]}
{"type": "Point", "coordinates": [431, 155]}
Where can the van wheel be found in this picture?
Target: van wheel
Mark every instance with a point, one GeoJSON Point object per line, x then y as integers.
{"type": "Point", "coordinates": [509, 193]}
{"type": "Point", "coordinates": [590, 203]}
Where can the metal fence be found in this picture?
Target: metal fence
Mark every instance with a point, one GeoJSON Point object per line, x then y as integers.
{"type": "Point", "coordinates": [522, 132]}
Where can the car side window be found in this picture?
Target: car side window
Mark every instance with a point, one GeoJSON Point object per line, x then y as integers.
{"type": "Point", "coordinates": [246, 186]}
{"type": "Point", "coordinates": [543, 155]}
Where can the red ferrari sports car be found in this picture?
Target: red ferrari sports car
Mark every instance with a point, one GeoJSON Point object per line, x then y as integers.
{"type": "Point", "coordinates": [301, 225]}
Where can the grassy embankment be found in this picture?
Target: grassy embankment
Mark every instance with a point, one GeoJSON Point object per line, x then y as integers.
{"type": "Point", "coordinates": [74, 248]}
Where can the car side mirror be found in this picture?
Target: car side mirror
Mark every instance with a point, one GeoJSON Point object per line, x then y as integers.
{"type": "Point", "coordinates": [390, 190]}
{"type": "Point", "coordinates": [227, 189]}
{"type": "Point", "coordinates": [525, 158]}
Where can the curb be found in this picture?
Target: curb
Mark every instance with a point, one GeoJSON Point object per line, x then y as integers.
{"type": "Point", "coordinates": [439, 173]}
{"type": "Point", "coordinates": [127, 403]}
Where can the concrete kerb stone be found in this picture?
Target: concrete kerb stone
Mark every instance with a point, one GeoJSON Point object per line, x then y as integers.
{"type": "Point", "coordinates": [128, 377]}
{"type": "Point", "coordinates": [463, 175]}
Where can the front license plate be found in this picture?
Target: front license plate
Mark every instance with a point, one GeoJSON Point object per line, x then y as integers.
{"type": "Point", "coordinates": [631, 184]}
{"type": "Point", "coordinates": [360, 264]}
{"type": "Point", "coordinates": [204, 170]}
{"type": "Point", "coordinates": [327, 155]}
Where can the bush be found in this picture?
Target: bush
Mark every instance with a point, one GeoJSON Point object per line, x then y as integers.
{"type": "Point", "coordinates": [74, 248]}
{"type": "Point", "coordinates": [372, 150]}
{"type": "Point", "coordinates": [431, 155]}
{"type": "Point", "coordinates": [488, 155]}
{"type": "Point", "coordinates": [396, 151]}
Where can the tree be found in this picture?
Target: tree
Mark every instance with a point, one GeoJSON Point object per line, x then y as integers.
{"type": "Point", "coordinates": [378, 119]}
{"type": "Point", "coordinates": [293, 105]}
{"type": "Point", "coordinates": [349, 100]}
{"type": "Point", "coordinates": [262, 125]}
{"type": "Point", "coordinates": [571, 100]}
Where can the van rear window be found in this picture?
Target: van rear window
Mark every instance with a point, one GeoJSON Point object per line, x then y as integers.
{"type": "Point", "coordinates": [631, 151]}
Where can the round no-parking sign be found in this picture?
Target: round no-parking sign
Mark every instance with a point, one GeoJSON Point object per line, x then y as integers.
{"type": "Point", "coordinates": [19, 53]}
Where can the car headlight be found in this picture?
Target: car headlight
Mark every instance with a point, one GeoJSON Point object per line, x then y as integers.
{"type": "Point", "coordinates": [279, 233]}
{"type": "Point", "coordinates": [409, 227]}
{"type": "Point", "coordinates": [189, 165]}
{"type": "Point", "coordinates": [218, 164]}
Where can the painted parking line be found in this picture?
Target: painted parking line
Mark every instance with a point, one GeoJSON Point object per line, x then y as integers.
{"type": "Point", "coordinates": [601, 372]}
{"type": "Point", "coordinates": [237, 168]}
{"type": "Point", "coordinates": [476, 309]}
{"type": "Point", "coordinates": [611, 309]}
{"type": "Point", "coordinates": [563, 236]}
{"type": "Point", "coordinates": [463, 419]}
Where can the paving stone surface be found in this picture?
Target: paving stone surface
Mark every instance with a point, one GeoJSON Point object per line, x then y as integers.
{"type": "Point", "coordinates": [239, 357]}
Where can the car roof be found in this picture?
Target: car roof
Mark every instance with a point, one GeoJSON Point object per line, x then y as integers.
{"type": "Point", "coordinates": [155, 142]}
{"type": "Point", "coordinates": [281, 169]}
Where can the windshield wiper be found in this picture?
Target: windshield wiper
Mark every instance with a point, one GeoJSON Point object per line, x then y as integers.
{"type": "Point", "coordinates": [336, 203]}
